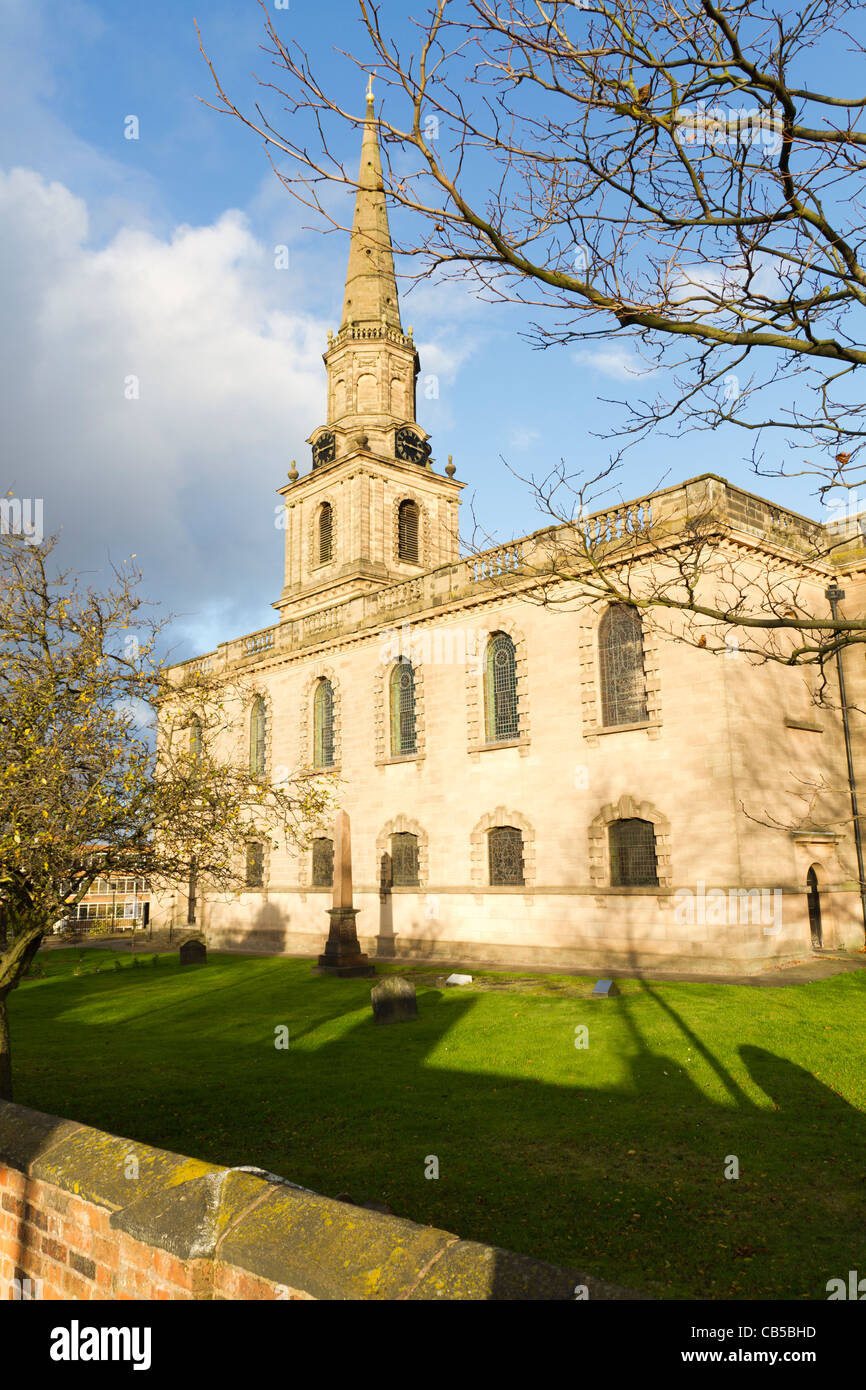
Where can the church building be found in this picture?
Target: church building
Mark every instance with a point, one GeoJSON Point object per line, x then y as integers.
{"type": "Point", "coordinates": [529, 783]}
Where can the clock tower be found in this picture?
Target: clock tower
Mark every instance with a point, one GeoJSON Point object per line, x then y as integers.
{"type": "Point", "coordinates": [371, 510]}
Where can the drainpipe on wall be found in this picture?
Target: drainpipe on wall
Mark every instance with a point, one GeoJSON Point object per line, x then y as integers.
{"type": "Point", "coordinates": [834, 594]}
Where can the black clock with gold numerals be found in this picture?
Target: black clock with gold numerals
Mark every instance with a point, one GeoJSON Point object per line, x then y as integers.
{"type": "Point", "coordinates": [324, 449]}
{"type": "Point", "coordinates": [410, 447]}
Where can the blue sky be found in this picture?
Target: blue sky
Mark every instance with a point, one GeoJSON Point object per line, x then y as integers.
{"type": "Point", "coordinates": [153, 258]}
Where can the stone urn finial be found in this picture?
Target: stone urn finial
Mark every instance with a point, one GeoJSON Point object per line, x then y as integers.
{"type": "Point", "coordinates": [293, 473]}
{"type": "Point", "coordinates": [449, 467]}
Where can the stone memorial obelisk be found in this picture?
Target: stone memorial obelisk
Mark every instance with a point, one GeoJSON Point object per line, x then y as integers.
{"type": "Point", "coordinates": [343, 955]}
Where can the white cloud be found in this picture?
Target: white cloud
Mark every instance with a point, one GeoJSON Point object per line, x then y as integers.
{"type": "Point", "coordinates": [523, 439]}
{"type": "Point", "coordinates": [228, 389]}
{"type": "Point", "coordinates": [614, 361]}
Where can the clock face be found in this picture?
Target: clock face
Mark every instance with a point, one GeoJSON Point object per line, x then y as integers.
{"type": "Point", "coordinates": [324, 449]}
{"type": "Point", "coordinates": [410, 447]}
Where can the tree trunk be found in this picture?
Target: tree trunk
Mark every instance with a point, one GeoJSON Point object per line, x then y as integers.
{"type": "Point", "coordinates": [5, 1053]}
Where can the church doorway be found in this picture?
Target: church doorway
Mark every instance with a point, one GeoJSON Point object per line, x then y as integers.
{"type": "Point", "coordinates": [813, 898]}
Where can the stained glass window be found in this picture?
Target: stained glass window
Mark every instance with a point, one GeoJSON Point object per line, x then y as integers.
{"type": "Point", "coordinates": [323, 863]}
{"type": "Point", "coordinates": [255, 864]}
{"type": "Point", "coordinates": [195, 738]}
{"type": "Point", "coordinates": [257, 737]}
{"type": "Point", "coordinates": [404, 860]}
{"type": "Point", "coordinates": [632, 854]}
{"type": "Point", "coordinates": [501, 689]}
{"type": "Point", "coordinates": [323, 725]}
{"type": "Point", "coordinates": [621, 666]}
{"type": "Point", "coordinates": [505, 855]}
{"type": "Point", "coordinates": [407, 531]}
{"type": "Point", "coordinates": [403, 709]}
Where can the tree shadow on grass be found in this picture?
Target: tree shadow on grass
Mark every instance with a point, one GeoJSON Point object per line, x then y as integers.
{"type": "Point", "coordinates": [623, 1178]}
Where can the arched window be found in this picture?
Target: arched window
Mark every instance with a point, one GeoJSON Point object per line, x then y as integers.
{"type": "Point", "coordinates": [323, 863]}
{"type": "Point", "coordinates": [632, 854]}
{"type": "Point", "coordinates": [501, 689]}
{"type": "Point", "coordinates": [255, 864]}
{"type": "Point", "coordinates": [323, 724]}
{"type": "Point", "coordinates": [620, 660]}
{"type": "Point", "coordinates": [505, 855]}
{"type": "Point", "coordinates": [398, 397]}
{"type": "Point", "coordinates": [195, 739]}
{"type": "Point", "coordinates": [403, 709]}
{"type": "Point", "coordinates": [367, 394]}
{"type": "Point", "coordinates": [326, 533]}
{"type": "Point", "coordinates": [404, 860]}
{"type": "Point", "coordinates": [257, 737]}
{"type": "Point", "coordinates": [407, 531]}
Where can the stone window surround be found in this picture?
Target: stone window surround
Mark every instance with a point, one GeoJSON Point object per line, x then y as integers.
{"type": "Point", "coordinates": [404, 825]}
{"type": "Point", "coordinates": [590, 697]}
{"type": "Point", "coordinates": [477, 741]}
{"type": "Point", "coordinates": [320, 672]}
{"type": "Point", "coordinates": [478, 851]}
{"type": "Point", "coordinates": [627, 808]}
{"type": "Point", "coordinates": [382, 715]}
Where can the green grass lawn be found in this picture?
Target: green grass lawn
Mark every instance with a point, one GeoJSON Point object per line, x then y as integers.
{"type": "Point", "coordinates": [609, 1159]}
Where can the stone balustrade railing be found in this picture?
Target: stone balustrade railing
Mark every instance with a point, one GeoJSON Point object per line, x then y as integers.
{"type": "Point", "coordinates": [633, 519]}
{"type": "Point", "coordinates": [503, 560]}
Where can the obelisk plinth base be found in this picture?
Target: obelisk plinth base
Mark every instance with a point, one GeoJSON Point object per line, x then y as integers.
{"type": "Point", "coordinates": [343, 955]}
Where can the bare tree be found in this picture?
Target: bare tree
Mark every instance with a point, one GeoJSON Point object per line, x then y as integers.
{"type": "Point", "coordinates": [664, 174]}
{"type": "Point", "coordinates": [89, 786]}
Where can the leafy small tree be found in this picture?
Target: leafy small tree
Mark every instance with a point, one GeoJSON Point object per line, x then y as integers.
{"type": "Point", "coordinates": [110, 763]}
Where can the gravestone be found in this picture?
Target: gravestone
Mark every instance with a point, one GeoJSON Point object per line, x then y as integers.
{"type": "Point", "coordinates": [459, 980]}
{"type": "Point", "coordinates": [393, 1001]}
{"type": "Point", "coordinates": [605, 989]}
{"type": "Point", "coordinates": [343, 955]}
{"type": "Point", "coordinates": [193, 952]}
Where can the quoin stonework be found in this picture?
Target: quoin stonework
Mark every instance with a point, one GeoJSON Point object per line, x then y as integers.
{"type": "Point", "coordinates": [547, 784]}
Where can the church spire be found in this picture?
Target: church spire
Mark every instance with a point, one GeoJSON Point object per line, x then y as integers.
{"type": "Point", "coordinates": [371, 285]}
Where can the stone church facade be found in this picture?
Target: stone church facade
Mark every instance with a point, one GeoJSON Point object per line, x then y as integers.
{"type": "Point", "coordinates": [529, 783]}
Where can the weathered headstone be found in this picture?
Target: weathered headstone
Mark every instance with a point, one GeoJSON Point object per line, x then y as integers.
{"type": "Point", "coordinates": [459, 980]}
{"type": "Point", "coordinates": [343, 955]}
{"type": "Point", "coordinates": [605, 989]}
{"type": "Point", "coordinates": [393, 1000]}
{"type": "Point", "coordinates": [193, 952]}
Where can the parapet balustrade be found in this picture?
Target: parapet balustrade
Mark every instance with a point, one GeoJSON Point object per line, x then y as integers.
{"type": "Point", "coordinates": [502, 560]}
{"type": "Point", "coordinates": [633, 519]}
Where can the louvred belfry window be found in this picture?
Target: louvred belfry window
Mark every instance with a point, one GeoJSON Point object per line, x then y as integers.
{"type": "Point", "coordinates": [632, 845]}
{"type": "Point", "coordinates": [407, 531]}
{"type": "Point", "coordinates": [505, 855]}
{"type": "Point", "coordinates": [403, 739]}
{"type": "Point", "coordinates": [326, 533]}
{"type": "Point", "coordinates": [621, 666]}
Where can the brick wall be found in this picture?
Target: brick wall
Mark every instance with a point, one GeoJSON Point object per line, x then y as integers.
{"type": "Point", "coordinates": [87, 1215]}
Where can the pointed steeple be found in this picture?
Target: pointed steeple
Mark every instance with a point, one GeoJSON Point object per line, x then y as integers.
{"type": "Point", "coordinates": [371, 285]}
